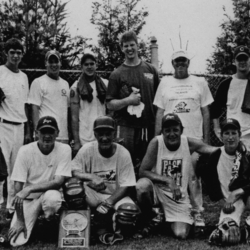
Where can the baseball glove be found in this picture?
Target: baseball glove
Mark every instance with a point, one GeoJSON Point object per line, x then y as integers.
{"type": "Point", "coordinates": [74, 193]}
{"type": "Point", "coordinates": [227, 233]}
{"type": "Point", "coordinates": [127, 214]}
{"type": "Point", "coordinates": [2, 96]}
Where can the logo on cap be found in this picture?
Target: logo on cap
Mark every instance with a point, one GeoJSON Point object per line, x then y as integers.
{"type": "Point", "coordinates": [229, 120]}
{"type": "Point", "coordinates": [46, 121]}
{"type": "Point", "coordinates": [242, 49]}
{"type": "Point", "coordinates": [170, 117]}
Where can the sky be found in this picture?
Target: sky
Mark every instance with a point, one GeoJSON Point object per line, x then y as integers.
{"type": "Point", "coordinates": [198, 22]}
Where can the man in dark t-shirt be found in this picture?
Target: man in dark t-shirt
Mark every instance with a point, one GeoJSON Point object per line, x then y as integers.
{"type": "Point", "coordinates": [130, 95]}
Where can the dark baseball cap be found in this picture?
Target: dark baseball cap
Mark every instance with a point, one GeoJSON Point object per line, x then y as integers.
{"type": "Point", "coordinates": [47, 122]}
{"type": "Point", "coordinates": [52, 53]}
{"type": "Point", "coordinates": [170, 118]}
{"type": "Point", "coordinates": [104, 122]}
{"type": "Point", "coordinates": [230, 122]}
{"type": "Point", "coordinates": [241, 50]}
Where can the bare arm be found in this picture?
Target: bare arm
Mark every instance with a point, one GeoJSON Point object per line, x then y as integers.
{"type": "Point", "coordinates": [117, 104]}
{"type": "Point", "coordinates": [159, 115]}
{"type": "Point", "coordinates": [35, 115]}
{"type": "Point", "coordinates": [74, 107]}
{"type": "Point", "coordinates": [217, 129]}
{"type": "Point", "coordinates": [199, 146]}
{"type": "Point", "coordinates": [119, 193]}
{"type": "Point", "coordinates": [206, 124]}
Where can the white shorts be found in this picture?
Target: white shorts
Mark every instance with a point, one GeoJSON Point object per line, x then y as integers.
{"type": "Point", "coordinates": [174, 211]}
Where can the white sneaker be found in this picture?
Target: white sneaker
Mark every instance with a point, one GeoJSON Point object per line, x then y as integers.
{"type": "Point", "coordinates": [199, 220]}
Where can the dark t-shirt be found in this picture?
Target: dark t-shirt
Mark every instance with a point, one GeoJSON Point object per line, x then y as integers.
{"type": "Point", "coordinates": [143, 77]}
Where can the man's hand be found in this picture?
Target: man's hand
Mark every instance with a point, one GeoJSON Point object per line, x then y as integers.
{"type": "Point", "coordinates": [20, 196]}
{"type": "Point", "coordinates": [76, 147]}
{"type": "Point", "coordinates": [134, 98]}
{"type": "Point", "coordinates": [177, 195]}
{"type": "Point", "coordinates": [228, 207]}
{"type": "Point", "coordinates": [97, 184]}
{"type": "Point", "coordinates": [17, 228]}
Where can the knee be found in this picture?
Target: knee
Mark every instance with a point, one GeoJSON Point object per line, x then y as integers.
{"type": "Point", "coordinates": [51, 203]}
{"type": "Point", "coordinates": [181, 234]}
{"type": "Point", "coordinates": [142, 186]}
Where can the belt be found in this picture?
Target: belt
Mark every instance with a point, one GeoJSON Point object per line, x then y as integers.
{"type": "Point", "coordinates": [9, 122]}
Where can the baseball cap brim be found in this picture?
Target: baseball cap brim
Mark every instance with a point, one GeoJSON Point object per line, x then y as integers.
{"type": "Point", "coordinates": [242, 53]}
{"type": "Point", "coordinates": [104, 126]}
{"type": "Point", "coordinates": [47, 126]}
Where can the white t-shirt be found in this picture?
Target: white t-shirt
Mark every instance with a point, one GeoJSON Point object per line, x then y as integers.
{"type": "Point", "coordinates": [185, 97]}
{"type": "Point", "coordinates": [88, 113]}
{"type": "Point", "coordinates": [33, 167]}
{"type": "Point", "coordinates": [175, 164]}
{"type": "Point", "coordinates": [16, 89]}
{"type": "Point", "coordinates": [116, 171]}
{"type": "Point", "coordinates": [52, 96]}
{"type": "Point", "coordinates": [224, 168]}
{"type": "Point", "coordinates": [235, 98]}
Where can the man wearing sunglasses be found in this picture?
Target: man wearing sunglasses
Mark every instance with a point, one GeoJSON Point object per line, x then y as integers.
{"type": "Point", "coordinates": [39, 172]}
{"type": "Point", "coordinates": [189, 97]}
{"type": "Point", "coordinates": [87, 96]}
{"type": "Point", "coordinates": [49, 95]}
{"type": "Point", "coordinates": [14, 87]}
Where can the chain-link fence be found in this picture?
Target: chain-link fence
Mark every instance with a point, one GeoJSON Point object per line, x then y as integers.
{"type": "Point", "coordinates": [72, 75]}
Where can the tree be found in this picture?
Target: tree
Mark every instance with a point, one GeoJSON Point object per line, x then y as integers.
{"type": "Point", "coordinates": [41, 26]}
{"type": "Point", "coordinates": [112, 21]}
{"type": "Point", "coordinates": [235, 32]}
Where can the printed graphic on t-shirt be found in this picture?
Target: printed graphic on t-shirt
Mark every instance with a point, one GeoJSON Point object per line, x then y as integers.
{"type": "Point", "coordinates": [173, 169]}
{"type": "Point", "coordinates": [64, 92]}
{"type": "Point", "coordinates": [148, 75]}
{"type": "Point", "coordinates": [107, 176]}
{"type": "Point", "coordinates": [181, 108]}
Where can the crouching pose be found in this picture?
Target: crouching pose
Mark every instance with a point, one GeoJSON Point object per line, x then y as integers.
{"type": "Point", "coordinates": [227, 176]}
{"type": "Point", "coordinates": [38, 173]}
{"type": "Point", "coordinates": [106, 169]}
{"type": "Point", "coordinates": [166, 173]}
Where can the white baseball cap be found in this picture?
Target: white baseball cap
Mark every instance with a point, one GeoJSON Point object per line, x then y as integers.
{"type": "Point", "coordinates": [180, 53]}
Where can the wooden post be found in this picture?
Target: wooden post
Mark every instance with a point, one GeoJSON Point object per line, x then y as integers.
{"type": "Point", "coordinates": [154, 52]}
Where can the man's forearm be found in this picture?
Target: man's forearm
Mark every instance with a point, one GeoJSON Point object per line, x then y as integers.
{"type": "Point", "coordinates": [27, 124]}
{"type": "Point", "coordinates": [155, 178]}
{"type": "Point", "coordinates": [116, 104]}
{"type": "Point", "coordinates": [35, 115]}
{"type": "Point", "coordinates": [83, 176]}
{"type": "Point", "coordinates": [119, 193]}
{"type": "Point", "coordinates": [159, 115]}
{"type": "Point", "coordinates": [206, 124]}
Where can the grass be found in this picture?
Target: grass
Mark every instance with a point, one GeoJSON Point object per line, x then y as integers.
{"type": "Point", "coordinates": [46, 239]}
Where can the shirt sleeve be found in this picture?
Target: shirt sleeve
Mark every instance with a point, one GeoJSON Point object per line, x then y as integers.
{"type": "Point", "coordinates": [80, 161]}
{"type": "Point", "coordinates": [35, 95]}
{"type": "Point", "coordinates": [63, 168]}
{"type": "Point", "coordinates": [158, 100]}
{"type": "Point", "coordinates": [113, 89]}
{"type": "Point", "coordinates": [206, 96]}
{"type": "Point", "coordinates": [126, 174]}
{"type": "Point", "coordinates": [20, 170]}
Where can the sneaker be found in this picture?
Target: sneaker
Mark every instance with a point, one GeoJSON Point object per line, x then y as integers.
{"type": "Point", "coordinates": [199, 220]}
{"type": "Point", "coordinates": [9, 216]}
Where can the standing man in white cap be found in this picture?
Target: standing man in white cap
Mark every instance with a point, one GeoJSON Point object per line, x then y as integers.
{"type": "Point", "coordinates": [49, 95]}
{"type": "Point", "coordinates": [233, 94]}
{"type": "Point", "coordinates": [189, 97]}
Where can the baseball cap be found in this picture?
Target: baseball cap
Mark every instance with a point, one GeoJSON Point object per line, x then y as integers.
{"type": "Point", "coordinates": [104, 122]}
{"type": "Point", "coordinates": [241, 50]}
{"type": "Point", "coordinates": [47, 122]}
{"type": "Point", "coordinates": [230, 122]}
{"type": "Point", "coordinates": [52, 53]}
{"type": "Point", "coordinates": [180, 53]}
{"type": "Point", "coordinates": [170, 118]}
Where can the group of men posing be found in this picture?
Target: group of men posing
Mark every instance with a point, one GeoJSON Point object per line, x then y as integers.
{"type": "Point", "coordinates": [163, 128]}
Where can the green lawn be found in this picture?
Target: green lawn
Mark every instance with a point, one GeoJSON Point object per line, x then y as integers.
{"type": "Point", "coordinates": [161, 239]}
